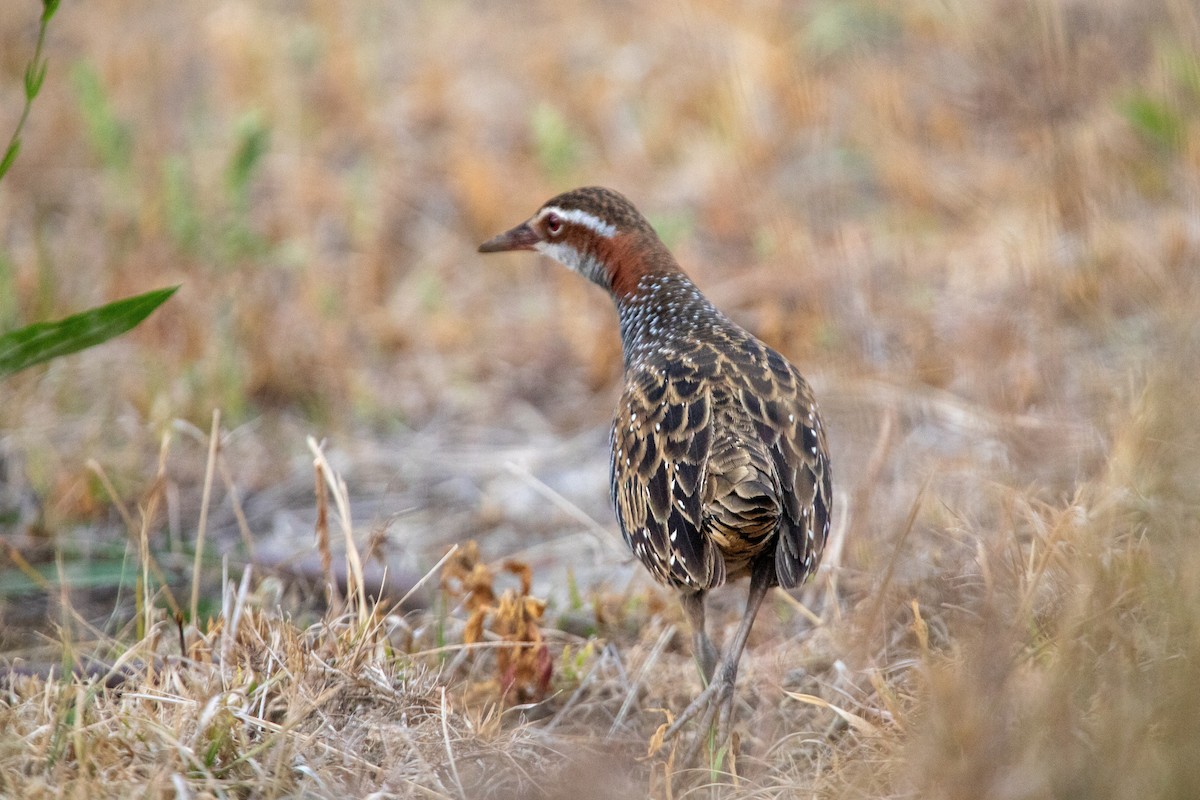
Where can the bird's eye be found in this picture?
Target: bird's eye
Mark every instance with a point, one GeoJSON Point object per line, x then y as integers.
{"type": "Point", "coordinates": [554, 224]}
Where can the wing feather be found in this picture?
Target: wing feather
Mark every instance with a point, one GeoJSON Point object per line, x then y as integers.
{"type": "Point", "coordinates": [664, 417]}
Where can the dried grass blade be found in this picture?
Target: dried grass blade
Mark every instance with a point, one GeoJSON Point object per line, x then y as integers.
{"type": "Point", "coordinates": [853, 720]}
{"type": "Point", "coordinates": [209, 467]}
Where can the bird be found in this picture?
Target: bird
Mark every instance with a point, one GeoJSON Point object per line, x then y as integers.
{"type": "Point", "coordinates": [719, 467]}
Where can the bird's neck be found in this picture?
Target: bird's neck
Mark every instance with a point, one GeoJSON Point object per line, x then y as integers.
{"type": "Point", "coordinates": [663, 310]}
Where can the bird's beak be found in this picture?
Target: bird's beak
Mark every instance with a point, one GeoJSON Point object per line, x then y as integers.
{"type": "Point", "coordinates": [522, 237]}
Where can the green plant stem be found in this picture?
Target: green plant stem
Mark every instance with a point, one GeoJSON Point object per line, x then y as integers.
{"type": "Point", "coordinates": [35, 73]}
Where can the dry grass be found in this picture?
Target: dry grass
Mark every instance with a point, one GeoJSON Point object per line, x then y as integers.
{"type": "Point", "coordinates": [973, 224]}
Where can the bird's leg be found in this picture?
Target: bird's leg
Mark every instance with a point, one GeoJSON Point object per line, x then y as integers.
{"type": "Point", "coordinates": [702, 646]}
{"type": "Point", "coordinates": [717, 697]}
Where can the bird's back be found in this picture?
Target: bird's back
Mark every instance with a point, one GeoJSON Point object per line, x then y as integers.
{"type": "Point", "coordinates": [718, 453]}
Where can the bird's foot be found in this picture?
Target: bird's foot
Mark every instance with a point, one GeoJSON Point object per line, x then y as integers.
{"type": "Point", "coordinates": [713, 705]}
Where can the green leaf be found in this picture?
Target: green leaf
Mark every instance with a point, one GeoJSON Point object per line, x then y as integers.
{"type": "Point", "coordinates": [10, 156]}
{"type": "Point", "coordinates": [35, 75]}
{"type": "Point", "coordinates": [109, 136]}
{"type": "Point", "coordinates": [1155, 120]}
{"type": "Point", "coordinates": [43, 341]}
{"type": "Point", "coordinates": [253, 139]}
{"type": "Point", "coordinates": [48, 9]}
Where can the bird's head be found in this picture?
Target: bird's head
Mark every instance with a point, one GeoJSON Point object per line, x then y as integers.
{"type": "Point", "coordinates": [595, 232]}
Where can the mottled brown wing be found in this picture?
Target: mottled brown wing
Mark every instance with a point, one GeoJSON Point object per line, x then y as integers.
{"type": "Point", "coordinates": [783, 410]}
{"type": "Point", "coordinates": [661, 440]}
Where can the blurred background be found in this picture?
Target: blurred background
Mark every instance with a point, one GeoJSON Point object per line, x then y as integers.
{"type": "Point", "coordinates": [973, 225]}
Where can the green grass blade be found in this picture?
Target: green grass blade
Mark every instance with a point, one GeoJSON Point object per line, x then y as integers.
{"type": "Point", "coordinates": [43, 341]}
{"type": "Point", "coordinates": [10, 155]}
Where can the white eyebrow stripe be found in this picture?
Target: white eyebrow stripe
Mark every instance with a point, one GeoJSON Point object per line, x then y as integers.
{"type": "Point", "coordinates": [581, 217]}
